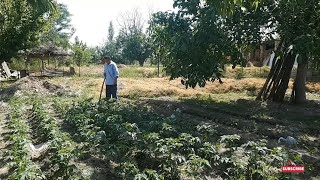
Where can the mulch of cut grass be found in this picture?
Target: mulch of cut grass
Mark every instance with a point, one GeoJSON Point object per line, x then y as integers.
{"type": "Point", "coordinates": [159, 87]}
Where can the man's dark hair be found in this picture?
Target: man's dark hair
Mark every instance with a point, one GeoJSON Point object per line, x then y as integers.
{"type": "Point", "coordinates": [107, 58]}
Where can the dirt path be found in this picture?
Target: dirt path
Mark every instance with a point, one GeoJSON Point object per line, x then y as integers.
{"type": "Point", "coordinates": [4, 143]}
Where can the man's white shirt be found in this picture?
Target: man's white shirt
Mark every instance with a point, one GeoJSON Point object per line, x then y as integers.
{"type": "Point", "coordinates": [111, 71]}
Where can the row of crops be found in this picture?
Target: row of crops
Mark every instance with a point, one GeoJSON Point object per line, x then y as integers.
{"type": "Point", "coordinates": [143, 145]}
{"type": "Point", "coordinates": [56, 163]}
{"type": "Point", "coordinates": [138, 143]}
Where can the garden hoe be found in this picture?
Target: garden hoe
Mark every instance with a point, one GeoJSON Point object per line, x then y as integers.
{"type": "Point", "coordinates": [104, 80]}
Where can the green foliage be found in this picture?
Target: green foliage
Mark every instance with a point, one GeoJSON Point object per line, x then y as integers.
{"type": "Point", "coordinates": [193, 43]}
{"type": "Point", "coordinates": [110, 32]}
{"type": "Point", "coordinates": [111, 49]}
{"type": "Point", "coordinates": [42, 6]}
{"type": "Point", "coordinates": [21, 23]}
{"type": "Point", "coordinates": [131, 45]}
{"type": "Point", "coordinates": [198, 39]}
{"type": "Point", "coordinates": [146, 146]}
{"type": "Point", "coordinates": [134, 47]}
{"type": "Point", "coordinates": [60, 31]}
{"type": "Point", "coordinates": [62, 151]}
{"type": "Point", "coordinates": [82, 54]}
{"type": "Point", "coordinates": [95, 55]}
{"type": "Point", "coordinates": [23, 166]}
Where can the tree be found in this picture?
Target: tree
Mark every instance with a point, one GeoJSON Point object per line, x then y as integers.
{"type": "Point", "coordinates": [193, 43]}
{"type": "Point", "coordinates": [132, 40]}
{"type": "Point", "coordinates": [202, 36]}
{"type": "Point", "coordinates": [95, 54]}
{"type": "Point", "coordinates": [135, 47]}
{"type": "Point", "coordinates": [110, 32]}
{"type": "Point", "coordinates": [111, 48]}
{"type": "Point", "coordinates": [297, 23]}
{"type": "Point", "coordinates": [82, 54]}
{"type": "Point", "coordinates": [61, 29]}
{"type": "Point", "coordinates": [21, 22]}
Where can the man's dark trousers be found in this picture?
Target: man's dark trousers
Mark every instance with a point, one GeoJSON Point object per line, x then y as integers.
{"type": "Point", "coordinates": [111, 91]}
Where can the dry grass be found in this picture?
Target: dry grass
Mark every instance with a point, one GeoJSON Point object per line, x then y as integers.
{"type": "Point", "coordinates": [313, 87]}
{"type": "Point", "coordinates": [158, 87]}
{"type": "Point", "coordinates": [138, 82]}
{"type": "Point", "coordinates": [247, 72]}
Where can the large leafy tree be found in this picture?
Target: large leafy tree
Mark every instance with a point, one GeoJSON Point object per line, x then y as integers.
{"type": "Point", "coordinates": [134, 47]}
{"type": "Point", "coordinates": [21, 23]}
{"type": "Point", "coordinates": [203, 35]}
{"type": "Point", "coordinates": [60, 31]}
{"type": "Point", "coordinates": [195, 42]}
{"type": "Point", "coordinates": [133, 42]}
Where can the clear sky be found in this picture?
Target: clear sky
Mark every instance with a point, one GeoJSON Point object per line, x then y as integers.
{"type": "Point", "coordinates": [91, 17]}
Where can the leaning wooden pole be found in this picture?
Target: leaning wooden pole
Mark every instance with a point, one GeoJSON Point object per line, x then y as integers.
{"type": "Point", "coordinates": [274, 77]}
{"type": "Point", "coordinates": [287, 69]}
{"type": "Point", "coordinates": [271, 73]}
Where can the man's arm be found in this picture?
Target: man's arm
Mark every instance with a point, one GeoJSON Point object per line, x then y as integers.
{"type": "Point", "coordinates": [116, 74]}
{"type": "Point", "coordinates": [104, 72]}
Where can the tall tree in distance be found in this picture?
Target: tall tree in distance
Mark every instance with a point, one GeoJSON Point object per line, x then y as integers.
{"type": "Point", "coordinates": [110, 32]}
{"type": "Point", "coordinates": [132, 40]}
{"type": "Point", "coordinates": [81, 53]}
{"type": "Point", "coordinates": [110, 48]}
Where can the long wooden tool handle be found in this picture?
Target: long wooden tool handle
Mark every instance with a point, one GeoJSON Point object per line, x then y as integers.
{"type": "Point", "coordinates": [102, 88]}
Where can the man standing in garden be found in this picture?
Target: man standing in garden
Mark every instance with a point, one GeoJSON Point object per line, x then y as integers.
{"type": "Point", "coordinates": [111, 74]}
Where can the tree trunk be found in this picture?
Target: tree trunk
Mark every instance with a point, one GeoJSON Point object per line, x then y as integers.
{"type": "Point", "coordinates": [141, 62]}
{"type": "Point", "coordinates": [299, 86]}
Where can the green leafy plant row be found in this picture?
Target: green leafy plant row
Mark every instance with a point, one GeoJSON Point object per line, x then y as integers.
{"type": "Point", "coordinates": [23, 166]}
{"type": "Point", "coordinates": [62, 151]}
{"type": "Point", "coordinates": [146, 146]}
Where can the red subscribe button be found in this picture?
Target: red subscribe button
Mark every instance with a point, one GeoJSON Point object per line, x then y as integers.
{"type": "Point", "coordinates": [293, 169]}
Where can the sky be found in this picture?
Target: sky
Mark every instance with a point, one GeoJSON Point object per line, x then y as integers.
{"type": "Point", "coordinates": [91, 18]}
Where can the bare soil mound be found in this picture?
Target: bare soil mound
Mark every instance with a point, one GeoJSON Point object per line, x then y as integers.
{"type": "Point", "coordinates": [29, 85]}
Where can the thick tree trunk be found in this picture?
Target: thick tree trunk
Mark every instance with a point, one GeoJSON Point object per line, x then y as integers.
{"type": "Point", "coordinates": [299, 87]}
